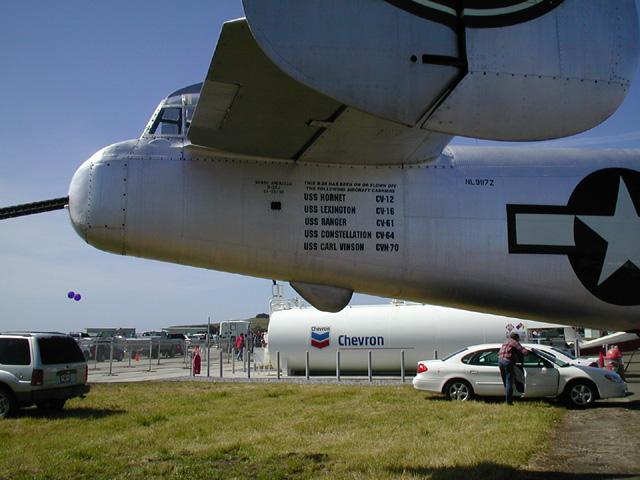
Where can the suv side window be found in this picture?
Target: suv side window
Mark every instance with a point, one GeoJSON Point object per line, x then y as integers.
{"type": "Point", "coordinates": [15, 351]}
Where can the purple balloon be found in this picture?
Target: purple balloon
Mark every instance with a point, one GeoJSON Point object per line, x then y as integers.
{"type": "Point", "coordinates": [71, 294]}
{"type": "Point", "coordinates": [77, 297]}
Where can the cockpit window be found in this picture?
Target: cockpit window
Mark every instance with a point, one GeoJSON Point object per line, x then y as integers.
{"type": "Point", "coordinates": [168, 122]}
{"type": "Point", "coordinates": [173, 116]}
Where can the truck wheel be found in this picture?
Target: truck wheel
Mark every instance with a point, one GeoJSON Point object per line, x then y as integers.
{"type": "Point", "coordinates": [8, 403]}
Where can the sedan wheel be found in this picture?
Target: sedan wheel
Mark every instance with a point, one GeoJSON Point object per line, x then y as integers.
{"type": "Point", "coordinates": [581, 394]}
{"type": "Point", "coordinates": [458, 390]}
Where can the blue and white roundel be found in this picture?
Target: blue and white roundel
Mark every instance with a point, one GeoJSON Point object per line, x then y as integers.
{"type": "Point", "coordinates": [598, 230]}
{"type": "Point", "coordinates": [477, 13]}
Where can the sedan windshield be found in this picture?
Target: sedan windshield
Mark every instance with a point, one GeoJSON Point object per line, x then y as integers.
{"type": "Point", "coordinates": [551, 359]}
{"type": "Point", "coordinates": [565, 353]}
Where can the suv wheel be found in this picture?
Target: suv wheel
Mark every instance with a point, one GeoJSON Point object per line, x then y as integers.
{"type": "Point", "coordinates": [8, 403]}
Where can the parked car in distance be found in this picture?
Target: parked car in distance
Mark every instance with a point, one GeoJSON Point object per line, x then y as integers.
{"type": "Point", "coordinates": [163, 343]}
{"type": "Point", "coordinates": [101, 349]}
{"type": "Point", "coordinates": [42, 368]}
{"type": "Point", "coordinates": [473, 371]}
{"type": "Point", "coordinates": [79, 335]}
{"type": "Point", "coordinates": [86, 350]}
{"type": "Point", "coordinates": [179, 336]}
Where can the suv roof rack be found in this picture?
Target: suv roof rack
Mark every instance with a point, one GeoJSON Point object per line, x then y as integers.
{"type": "Point", "coordinates": [22, 332]}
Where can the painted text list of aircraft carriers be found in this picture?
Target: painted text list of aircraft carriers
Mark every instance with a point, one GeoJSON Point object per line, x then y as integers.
{"type": "Point", "coordinates": [337, 216]}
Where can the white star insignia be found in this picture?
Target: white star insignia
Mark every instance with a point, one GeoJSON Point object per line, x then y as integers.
{"type": "Point", "coordinates": [621, 232]}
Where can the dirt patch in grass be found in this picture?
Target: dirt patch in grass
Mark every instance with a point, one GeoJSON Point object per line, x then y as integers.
{"type": "Point", "coordinates": [602, 442]}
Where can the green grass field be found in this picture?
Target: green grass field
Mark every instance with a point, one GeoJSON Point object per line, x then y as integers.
{"type": "Point", "coordinates": [272, 431]}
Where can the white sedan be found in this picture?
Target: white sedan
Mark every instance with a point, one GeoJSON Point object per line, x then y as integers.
{"type": "Point", "coordinates": [474, 371]}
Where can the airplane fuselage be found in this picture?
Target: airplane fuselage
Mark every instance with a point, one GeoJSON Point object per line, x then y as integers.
{"type": "Point", "coordinates": [538, 233]}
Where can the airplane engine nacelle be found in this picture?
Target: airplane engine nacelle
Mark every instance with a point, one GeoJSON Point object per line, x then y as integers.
{"type": "Point", "coordinates": [538, 69]}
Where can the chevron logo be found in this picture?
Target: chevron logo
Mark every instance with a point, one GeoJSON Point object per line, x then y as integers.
{"type": "Point", "coordinates": [320, 337]}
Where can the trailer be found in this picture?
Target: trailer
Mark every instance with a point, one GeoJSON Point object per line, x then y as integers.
{"type": "Point", "coordinates": [229, 331]}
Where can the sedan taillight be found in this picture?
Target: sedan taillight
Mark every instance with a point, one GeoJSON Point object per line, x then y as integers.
{"type": "Point", "coordinates": [422, 368]}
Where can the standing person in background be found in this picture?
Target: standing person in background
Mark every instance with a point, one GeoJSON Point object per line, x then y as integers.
{"type": "Point", "coordinates": [509, 353]}
{"type": "Point", "coordinates": [197, 361]}
{"type": "Point", "coordinates": [249, 341]}
{"type": "Point", "coordinates": [240, 346]}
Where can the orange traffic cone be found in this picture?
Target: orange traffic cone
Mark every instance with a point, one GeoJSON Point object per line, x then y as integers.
{"type": "Point", "coordinates": [137, 357]}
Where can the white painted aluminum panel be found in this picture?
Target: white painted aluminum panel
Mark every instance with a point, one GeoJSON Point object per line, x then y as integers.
{"type": "Point", "coordinates": [445, 232]}
{"type": "Point", "coordinates": [558, 75]}
{"type": "Point", "coordinates": [367, 54]}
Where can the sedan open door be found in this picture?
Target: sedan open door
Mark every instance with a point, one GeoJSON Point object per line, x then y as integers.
{"type": "Point", "coordinates": [541, 376]}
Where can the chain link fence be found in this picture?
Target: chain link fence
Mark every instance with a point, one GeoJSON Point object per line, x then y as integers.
{"type": "Point", "coordinates": [119, 356]}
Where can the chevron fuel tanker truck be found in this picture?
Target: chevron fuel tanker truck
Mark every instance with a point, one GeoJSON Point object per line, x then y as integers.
{"type": "Point", "coordinates": [386, 333]}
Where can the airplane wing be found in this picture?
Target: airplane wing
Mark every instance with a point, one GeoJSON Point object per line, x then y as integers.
{"type": "Point", "coordinates": [249, 106]}
{"type": "Point", "coordinates": [625, 341]}
{"type": "Point", "coordinates": [390, 82]}
{"type": "Point", "coordinates": [509, 70]}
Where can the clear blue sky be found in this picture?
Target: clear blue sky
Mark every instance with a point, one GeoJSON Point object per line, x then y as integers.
{"type": "Point", "coordinates": [77, 76]}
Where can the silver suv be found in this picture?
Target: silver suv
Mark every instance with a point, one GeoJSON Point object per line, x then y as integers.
{"type": "Point", "coordinates": [42, 368]}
